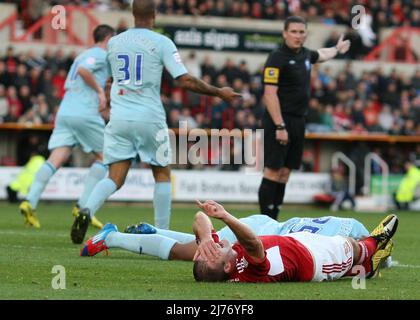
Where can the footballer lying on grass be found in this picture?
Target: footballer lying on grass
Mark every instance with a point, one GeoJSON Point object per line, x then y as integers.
{"type": "Point", "coordinates": [174, 245]}
{"type": "Point", "coordinates": [300, 256]}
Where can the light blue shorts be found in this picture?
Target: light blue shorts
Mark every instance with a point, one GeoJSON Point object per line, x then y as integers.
{"type": "Point", "coordinates": [125, 140]}
{"type": "Point", "coordinates": [83, 131]}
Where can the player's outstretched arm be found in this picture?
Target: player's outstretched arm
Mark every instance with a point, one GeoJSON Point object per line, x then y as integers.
{"type": "Point", "coordinates": [341, 47]}
{"type": "Point", "coordinates": [248, 239]}
{"type": "Point", "coordinates": [192, 83]}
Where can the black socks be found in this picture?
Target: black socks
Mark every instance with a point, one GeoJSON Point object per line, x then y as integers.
{"type": "Point", "coordinates": [270, 196]}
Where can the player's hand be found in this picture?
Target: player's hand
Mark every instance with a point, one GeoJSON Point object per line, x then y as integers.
{"type": "Point", "coordinates": [207, 250]}
{"type": "Point", "coordinates": [212, 209]}
{"type": "Point", "coordinates": [102, 101]}
{"type": "Point", "coordinates": [282, 136]}
{"type": "Point", "coordinates": [228, 95]}
{"type": "Point", "coordinates": [343, 46]}
{"type": "Point", "coordinates": [106, 114]}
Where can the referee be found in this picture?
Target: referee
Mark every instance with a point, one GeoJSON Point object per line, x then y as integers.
{"type": "Point", "coordinates": [286, 95]}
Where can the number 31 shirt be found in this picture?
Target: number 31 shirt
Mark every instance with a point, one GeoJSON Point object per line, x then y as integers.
{"type": "Point", "coordinates": [136, 58]}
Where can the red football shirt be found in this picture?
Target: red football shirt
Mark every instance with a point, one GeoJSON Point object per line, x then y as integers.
{"type": "Point", "coordinates": [286, 259]}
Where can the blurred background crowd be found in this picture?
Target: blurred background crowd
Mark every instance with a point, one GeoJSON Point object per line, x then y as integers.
{"type": "Point", "coordinates": [32, 86]}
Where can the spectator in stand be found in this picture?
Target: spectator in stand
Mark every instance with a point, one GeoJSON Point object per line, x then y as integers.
{"type": "Point", "coordinates": [314, 118]}
{"type": "Point", "coordinates": [415, 18]}
{"type": "Point", "coordinates": [342, 121]}
{"type": "Point", "coordinates": [185, 116]}
{"type": "Point", "coordinates": [385, 119]}
{"type": "Point", "coordinates": [357, 115]}
{"type": "Point", "coordinates": [193, 65]}
{"type": "Point", "coordinates": [173, 118]}
{"type": "Point", "coordinates": [192, 8]}
{"type": "Point", "coordinates": [58, 82]}
{"type": "Point", "coordinates": [409, 128]}
{"type": "Point", "coordinates": [327, 118]}
{"type": "Point", "coordinates": [14, 103]}
{"type": "Point", "coordinates": [35, 81]}
{"type": "Point", "coordinates": [4, 108]}
{"type": "Point", "coordinates": [390, 96]}
{"type": "Point", "coordinates": [230, 71]}
{"type": "Point", "coordinates": [11, 61]}
{"type": "Point", "coordinates": [25, 98]}
{"type": "Point", "coordinates": [415, 81]}
{"type": "Point", "coordinates": [21, 77]}
{"type": "Point", "coordinates": [207, 68]}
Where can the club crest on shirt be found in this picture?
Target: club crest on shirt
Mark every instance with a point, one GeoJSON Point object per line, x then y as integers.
{"type": "Point", "coordinates": [308, 64]}
{"type": "Point", "coordinates": [90, 61]}
{"type": "Point", "coordinates": [271, 75]}
{"type": "Point", "coordinates": [241, 265]}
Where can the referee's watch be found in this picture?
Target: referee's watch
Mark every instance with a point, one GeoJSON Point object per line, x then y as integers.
{"type": "Point", "coordinates": [281, 126]}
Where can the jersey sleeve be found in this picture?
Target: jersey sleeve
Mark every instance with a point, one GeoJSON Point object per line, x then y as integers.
{"type": "Point", "coordinates": [93, 63]}
{"type": "Point", "coordinates": [272, 70]}
{"type": "Point", "coordinates": [313, 56]}
{"type": "Point", "coordinates": [172, 60]}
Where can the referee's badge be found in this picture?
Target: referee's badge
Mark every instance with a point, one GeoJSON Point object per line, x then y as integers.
{"type": "Point", "coordinates": [271, 75]}
{"type": "Point", "coordinates": [307, 64]}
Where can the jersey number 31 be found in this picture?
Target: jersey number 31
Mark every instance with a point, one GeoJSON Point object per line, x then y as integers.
{"type": "Point", "coordinates": [127, 68]}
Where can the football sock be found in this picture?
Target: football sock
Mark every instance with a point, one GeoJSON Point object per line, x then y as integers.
{"type": "Point", "coordinates": [42, 177]}
{"type": "Point", "coordinates": [367, 249]}
{"type": "Point", "coordinates": [180, 237]}
{"type": "Point", "coordinates": [162, 204]}
{"type": "Point", "coordinates": [102, 191]}
{"type": "Point", "coordinates": [266, 197]}
{"type": "Point", "coordinates": [96, 173]}
{"type": "Point", "coordinates": [150, 244]}
{"type": "Point", "coordinates": [278, 199]}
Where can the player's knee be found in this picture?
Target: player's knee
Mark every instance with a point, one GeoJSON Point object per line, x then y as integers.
{"type": "Point", "coordinates": [284, 175]}
{"type": "Point", "coordinates": [272, 174]}
{"type": "Point", "coordinates": [161, 174]}
{"type": "Point", "coordinates": [98, 170]}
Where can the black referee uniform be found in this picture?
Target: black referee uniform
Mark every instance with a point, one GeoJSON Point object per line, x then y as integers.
{"type": "Point", "coordinates": [290, 71]}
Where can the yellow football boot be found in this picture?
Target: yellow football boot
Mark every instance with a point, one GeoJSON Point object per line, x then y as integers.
{"type": "Point", "coordinates": [29, 215]}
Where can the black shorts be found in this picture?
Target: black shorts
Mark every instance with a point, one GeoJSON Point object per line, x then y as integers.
{"type": "Point", "coordinates": [277, 156]}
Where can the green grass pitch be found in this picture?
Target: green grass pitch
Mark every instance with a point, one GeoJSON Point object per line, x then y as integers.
{"type": "Point", "coordinates": [27, 257]}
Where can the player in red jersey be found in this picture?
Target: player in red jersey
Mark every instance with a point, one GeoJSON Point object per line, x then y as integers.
{"type": "Point", "coordinates": [300, 256]}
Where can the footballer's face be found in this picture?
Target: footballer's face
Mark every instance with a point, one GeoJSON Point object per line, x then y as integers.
{"type": "Point", "coordinates": [226, 256]}
{"type": "Point", "coordinates": [295, 35]}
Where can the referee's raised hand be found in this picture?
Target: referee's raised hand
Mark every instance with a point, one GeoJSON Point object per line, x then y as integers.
{"type": "Point", "coordinates": [342, 46]}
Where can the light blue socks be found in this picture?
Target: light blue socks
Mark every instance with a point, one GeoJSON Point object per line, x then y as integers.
{"type": "Point", "coordinates": [150, 244]}
{"type": "Point", "coordinates": [162, 204]}
{"type": "Point", "coordinates": [96, 173]}
{"type": "Point", "coordinates": [42, 177]}
{"type": "Point", "coordinates": [102, 191]}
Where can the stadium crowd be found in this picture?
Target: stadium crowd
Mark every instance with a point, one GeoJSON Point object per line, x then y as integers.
{"type": "Point", "coordinates": [31, 88]}
{"type": "Point", "coordinates": [385, 13]}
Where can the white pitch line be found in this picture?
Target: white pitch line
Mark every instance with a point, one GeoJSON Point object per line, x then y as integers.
{"type": "Point", "coordinates": [411, 266]}
{"type": "Point", "coordinates": [32, 247]}
{"type": "Point", "coordinates": [38, 233]}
